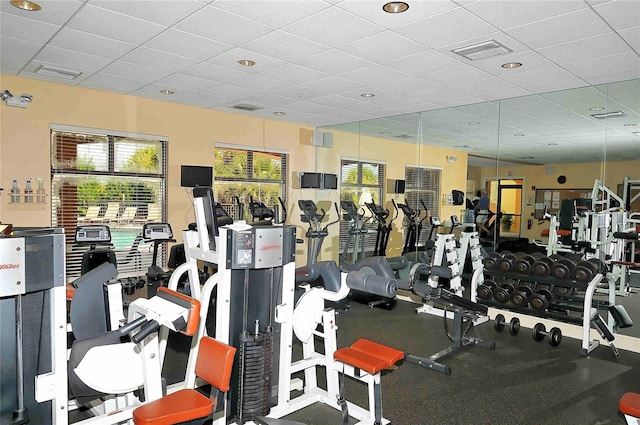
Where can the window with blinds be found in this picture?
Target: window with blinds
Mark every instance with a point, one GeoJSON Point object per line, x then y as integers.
{"type": "Point", "coordinates": [360, 182]}
{"type": "Point", "coordinates": [423, 184]}
{"type": "Point", "coordinates": [113, 180]}
{"type": "Point", "coordinates": [246, 174]}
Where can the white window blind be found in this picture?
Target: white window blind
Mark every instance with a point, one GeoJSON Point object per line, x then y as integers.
{"type": "Point", "coordinates": [248, 173]}
{"type": "Point", "coordinates": [118, 181]}
{"type": "Point", "coordinates": [360, 182]}
{"type": "Point", "coordinates": [423, 184]}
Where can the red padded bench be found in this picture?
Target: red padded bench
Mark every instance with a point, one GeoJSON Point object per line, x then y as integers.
{"type": "Point", "coordinates": [629, 405]}
{"type": "Point", "coordinates": [364, 361]}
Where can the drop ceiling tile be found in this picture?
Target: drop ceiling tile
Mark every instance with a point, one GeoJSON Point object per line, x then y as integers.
{"type": "Point", "coordinates": [530, 60]}
{"type": "Point", "coordinates": [457, 75]}
{"type": "Point", "coordinates": [232, 91]}
{"type": "Point", "coordinates": [446, 28]}
{"type": "Point", "coordinates": [261, 84]}
{"type": "Point", "coordinates": [55, 12]}
{"type": "Point", "coordinates": [269, 99]}
{"type": "Point", "coordinates": [551, 86]}
{"type": "Point", "coordinates": [571, 26]}
{"type": "Point", "coordinates": [300, 93]}
{"type": "Point", "coordinates": [112, 82]}
{"type": "Point", "coordinates": [373, 75]}
{"type": "Point", "coordinates": [407, 86]}
{"type": "Point", "coordinates": [206, 100]}
{"type": "Point", "coordinates": [423, 63]}
{"type": "Point", "coordinates": [538, 76]}
{"type": "Point", "coordinates": [224, 27]}
{"type": "Point", "coordinates": [505, 94]}
{"type": "Point", "coordinates": [89, 43]}
{"type": "Point", "coordinates": [231, 57]}
{"type": "Point", "coordinates": [479, 87]}
{"type": "Point", "coordinates": [458, 101]}
{"type": "Point", "coordinates": [26, 29]}
{"type": "Point", "coordinates": [379, 94]}
{"type": "Point", "coordinates": [19, 48]}
{"type": "Point", "coordinates": [136, 72]}
{"type": "Point", "coordinates": [333, 84]}
{"type": "Point", "coordinates": [372, 11]}
{"type": "Point", "coordinates": [187, 82]}
{"type": "Point", "coordinates": [606, 64]}
{"type": "Point", "coordinates": [153, 91]}
{"type": "Point", "coordinates": [188, 45]}
{"type": "Point", "coordinates": [333, 27]}
{"type": "Point", "coordinates": [509, 14]}
{"type": "Point", "coordinates": [620, 14]}
{"type": "Point", "coordinates": [294, 74]}
{"type": "Point", "coordinates": [632, 36]}
{"type": "Point", "coordinates": [156, 59]}
{"type": "Point", "coordinates": [338, 101]}
{"type": "Point", "coordinates": [382, 47]}
{"type": "Point", "coordinates": [437, 95]}
{"type": "Point", "coordinates": [400, 103]}
{"type": "Point", "coordinates": [587, 48]}
{"type": "Point", "coordinates": [284, 46]}
{"type": "Point", "coordinates": [105, 89]}
{"type": "Point", "coordinates": [106, 23]}
{"type": "Point", "coordinates": [273, 13]}
{"type": "Point", "coordinates": [214, 72]}
{"type": "Point", "coordinates": [166, 12]}
{"type": "Point", "coordinates": [71, 59]}
{"type": "Point", "coordinates": [333, 62]}
{"type": "Point", "coordinates": [612, 77]}
{"type": "Point", "coordinates": [10, 65]}
{"type": "Point", "coordinates": [309, 107]}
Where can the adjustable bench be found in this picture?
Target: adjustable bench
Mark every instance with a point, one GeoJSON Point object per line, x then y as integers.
{"type": "Point", "coordinates": [364, 361]}
{"type": "Point", "coordinates": [629, 405]}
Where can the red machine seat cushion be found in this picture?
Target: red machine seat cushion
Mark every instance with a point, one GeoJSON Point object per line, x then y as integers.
{"type": "Point", "coordinates": [629, 404]}
{"type": "Point", "coordinates": [369, 356]}
{"type": "Point", "coordinates": [181, 406]}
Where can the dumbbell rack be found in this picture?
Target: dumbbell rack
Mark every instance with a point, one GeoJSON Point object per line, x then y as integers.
{"type": "Point", "coordinates": [583, 305]}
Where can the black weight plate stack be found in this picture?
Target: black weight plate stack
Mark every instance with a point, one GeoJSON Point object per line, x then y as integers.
{"type": "Point", "coordinates": [563, 291]}
{"type": "Point", "coordinates": [491, 261]}
{"type": "Point", "coordinates": [485, 290]}
{"type": "Point", "coordinates": [542, 267]}
{"type": "Point", "coordinates": [523, 264]}
{"type": "Point", "coordinates": [505, 264]}
{"type": "Point", "coordinates": [584, 271]}
{"type": "Point", "coordinates": [520, 296]}
{"type": "Point", "coordinates": [540, 299]}
{"type": "Point", "coordinates": [562, 269]}
{"type": "Point", "coordinates": [502, 293]}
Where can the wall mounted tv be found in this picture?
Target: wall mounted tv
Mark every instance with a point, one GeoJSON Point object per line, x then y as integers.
{"type": "Point", "coordinates": [194, 175]}
{"type": "Point", "coordinates": [318, 181]}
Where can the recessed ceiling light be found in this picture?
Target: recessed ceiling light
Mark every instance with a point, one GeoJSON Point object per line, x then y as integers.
{"type": "Point", "coordinates": [25, 5]}
{"type": "Point", "coordinates": [629, 125]}
{"type": "Point", "coordinates": [279, 113]}
{"type": "Point", "coordinates": [511, 65]}
{"type": "Point", "coordinates": [636, 133]}
{"type": "Point", "coordinates": [167, 91]}
{"type": "Point", "coordinates": [597, 108]}
{"type": "Point", "coordinates": [246, 62]}
{"type": "Point", "coordinates": [395, 7]}
{"type": "Point", "coordinates": [519, 135]}
{"type": "Point", "coordinates": [367, 95]}
{"type": "Point", "coordinates": [474, 123]}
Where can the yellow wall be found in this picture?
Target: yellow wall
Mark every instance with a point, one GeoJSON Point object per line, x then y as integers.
{"type": "Point", "coordinates": [192, 133]}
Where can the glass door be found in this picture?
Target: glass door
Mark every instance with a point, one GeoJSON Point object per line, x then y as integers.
{"type": "Point", "coordinates": [509, 208]}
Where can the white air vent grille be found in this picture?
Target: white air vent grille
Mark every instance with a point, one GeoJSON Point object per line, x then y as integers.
{"type": "Point", "coordinates": [66, 74]}
{"type": "Point", "coordinates": [486, 49]}
{"type": "Point", "coordinates": [246, 107]}
{"type": "Point", "coordinates": [605, 115]}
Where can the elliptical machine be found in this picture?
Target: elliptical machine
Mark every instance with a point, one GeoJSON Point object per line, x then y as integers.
{"type": "Point", "coordinates": [414, 226]}
{"type": "Point", "coordinates": [315, 233]}
{"type": "Point", "coordinates": [357, 232]}
{"type": "Point", "coordinates": [384, 228]}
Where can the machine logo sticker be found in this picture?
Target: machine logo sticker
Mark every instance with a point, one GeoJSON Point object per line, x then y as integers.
{"type": "Point", "coordinates": [9, 266]}
{"type": "Point", "coordinates": [270, 247]}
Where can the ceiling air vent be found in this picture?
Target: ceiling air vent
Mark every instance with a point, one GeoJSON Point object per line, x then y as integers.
{"type": "Point", "coordinates": [605, 115]}
{"type": "Point", "coordinates": [246, 107]}
{"type": "Point", "coordinates": [403, 136]}
{"type": "Point", "coordinates": [66, 74]}
{"type": "Point", "coordinates": [486, 49]}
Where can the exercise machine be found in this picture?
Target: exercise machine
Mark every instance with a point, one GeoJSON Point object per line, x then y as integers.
{"type": "Point", "coordinates": [156, 233]}
{"type": "Point", "coordinates": [384, 227]}
{"type": "Point", "coordinates": [315, 232]}
{"type": "Point", "coordinates": [357, 232]}
{"type": "Point", "coordinates": [413, 226]}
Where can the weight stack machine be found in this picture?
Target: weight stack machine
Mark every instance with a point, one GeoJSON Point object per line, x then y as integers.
{"type": "Point", "coordinates": [33, 379]}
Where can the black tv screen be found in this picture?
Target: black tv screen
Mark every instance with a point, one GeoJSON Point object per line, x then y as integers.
{"type": "Point", "coordinates": [194, 175]}
{"type": "Point", "coordinates": [329, 181]}
{"type": "Point", "coordinates": [311, 181]}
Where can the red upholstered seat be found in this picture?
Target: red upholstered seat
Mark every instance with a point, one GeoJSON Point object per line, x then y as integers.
{"type": "Point", "coordinates": [214, 365]}
{"type": "Point", "coordinates": [629, 404]}
{"type": "Point", "coordinates": [561, 232]}
{"type": "Point", "coordinates": [369, 356]}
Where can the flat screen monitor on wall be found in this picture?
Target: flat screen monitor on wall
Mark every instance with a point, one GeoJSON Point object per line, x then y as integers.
{"type": "Point", "coordinates": [194, 175]}
{"type": "Point", "coordinates": [311, 181]}
{"type": "Point", "coordinates": [329, 181]}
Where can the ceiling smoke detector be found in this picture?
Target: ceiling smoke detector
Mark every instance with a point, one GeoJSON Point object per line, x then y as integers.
{"type": "Point", "coordinates": [246, 107]}
{"type": "Point", "coordinates": [484, 50]}
{"type": "Point", "coordinates": [66, 74]}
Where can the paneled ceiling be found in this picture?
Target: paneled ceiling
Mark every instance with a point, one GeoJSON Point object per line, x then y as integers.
{"type": "Point", "coordinates": [315, 59]}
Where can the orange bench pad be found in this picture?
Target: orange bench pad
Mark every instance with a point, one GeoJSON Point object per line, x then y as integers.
{"type": "Point", "coordinates": [369, 356]}
{"type": "Point", "coordinates": [629, 404]}
{"type": "Point", "coordinates": [181, 406]}
{"type": "Point", "coordinates": [561, 232]}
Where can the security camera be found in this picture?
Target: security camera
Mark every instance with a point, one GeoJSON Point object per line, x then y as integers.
{"type": "Point", "coordinates": [5, 95]}
{"type": "Point", "coordinates": [26, 98]}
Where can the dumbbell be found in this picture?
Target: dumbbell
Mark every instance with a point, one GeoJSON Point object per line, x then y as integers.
{"type": "Point", "coordinates": [505, 264]}
{"type": "Point", "coordinates": [491, 261]}
{"type": "Point", "coordinates": [520, 296]}
{"type": "Point", "coordinates": [540, 331]}
{"type": "Point", "coordinates": [523, 264]}
{"type": "Point", "coordinates": [540, 299]}
{"type": "Point", "coordinates": [586, 270]}
{"type": "Point", "coordinates": [564, 291]}
{"type": "Point", "coordinates": [561, 269]}
{"type": "Point", "coordinates": [542, 267]}
{"type": "Point", "coordinates": [500, 323]}
{"type": "Point", "coordinates": [484, 291]}
{"type": "Point", "coordinates": [502, 293]}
